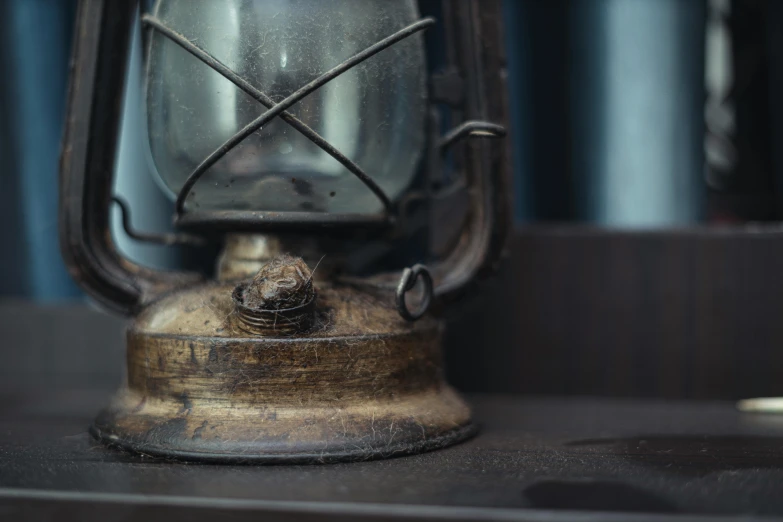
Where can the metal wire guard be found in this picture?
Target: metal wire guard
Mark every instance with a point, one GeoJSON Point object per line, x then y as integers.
{"type": "Point", "coordinates": [279, 109]}
{"type": "Point", "coordinates": [258, 220]}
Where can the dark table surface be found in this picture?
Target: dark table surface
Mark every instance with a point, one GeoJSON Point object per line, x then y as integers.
{"type": "Point", "coordinates": [535, 459]}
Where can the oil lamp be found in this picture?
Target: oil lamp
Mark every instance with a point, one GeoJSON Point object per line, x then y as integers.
{"type": "Point", "coordinates": [311, 139]}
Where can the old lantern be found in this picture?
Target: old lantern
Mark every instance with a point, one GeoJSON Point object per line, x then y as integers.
{"type": "Point", "coordinates": [317, 142]}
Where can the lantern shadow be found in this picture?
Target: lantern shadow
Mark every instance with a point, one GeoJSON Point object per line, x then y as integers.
{"type": "Point", "coordinates": [588, 495]}
{"type": "Point", "coordinates": [692, 456]}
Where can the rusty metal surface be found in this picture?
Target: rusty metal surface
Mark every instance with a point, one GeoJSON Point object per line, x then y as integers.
{"type": "Point", "coordinates": [279, 300]}
{"type": "Point", "coordinates": [287, 321]}
{"type": "Point", "coordinates": [474, 39]}
{"type": "Point", "coordinates": [363, 384]}
{"type": "Point", "coordinates": [476, 49]}
{"type": "Point", "coordinates": [243, 255]}
{"type": "Point", "coordinates": [535, 458]}
{"type": "Point", "coordinates": [88, 157]}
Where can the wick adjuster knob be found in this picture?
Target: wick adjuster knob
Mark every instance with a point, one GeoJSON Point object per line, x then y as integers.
{"type": "Point", "coordinates": [280, 299]}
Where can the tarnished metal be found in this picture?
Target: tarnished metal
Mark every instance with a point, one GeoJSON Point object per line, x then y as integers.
{"type": "Point", "coordinates": [243, 255]}
{"type": "Point", "coordinates": [406, 284]}
{"type": "Point", "coordinates": [286, 321]}
{"type": "Point", "coordinates": [95, 96]}
{"type": "Point", "coordinates": [280, 299]}
{"type": "Point", "coordinates": [362, 384]}
{"type": "Point", "coordinates": [361, 381]}
{"type": "Point", "coordinates": [268, 221]}
{"type": "Point", "coordinates": [147, 237]}
{"type": "Point", "coordinates": [474, 41]}
{"type": "Point", "coordinates": [471, 129]}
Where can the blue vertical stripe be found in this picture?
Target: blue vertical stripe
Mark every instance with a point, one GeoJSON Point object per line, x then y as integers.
{"type": "Point", "coordinates": [41, 32]}
{"type": "Point", "coordinates": [607, 101]}
{"type": "Point", "coordinates": [638, 98]}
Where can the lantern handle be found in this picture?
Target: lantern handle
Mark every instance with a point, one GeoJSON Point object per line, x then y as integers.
{"type": "Point", "coordinates": [95, 101]}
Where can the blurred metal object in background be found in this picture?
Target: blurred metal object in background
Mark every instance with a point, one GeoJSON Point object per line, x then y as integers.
{"type": "Point", "coordinates": [738, 139]}
{"type": "Point", "coordinates": [774, 41]}
{"type": "Point", "coordinates": [720, 114]}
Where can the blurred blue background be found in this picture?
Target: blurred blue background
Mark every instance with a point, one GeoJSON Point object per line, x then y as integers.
{"type": "Point", "coordinates": [625, 113]}
{"type": "Point", "coordinates": [34, 61]}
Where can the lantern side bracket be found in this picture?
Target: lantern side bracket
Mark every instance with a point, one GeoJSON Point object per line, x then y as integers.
{"type": "Point", "coordinates": [95, 95]}
{"type": "Point", "coordinates": [473, 31]}
{"type": "Point", "coordinates": [147, 237]}
{"type": "Point", "coordinates": [471, 129]}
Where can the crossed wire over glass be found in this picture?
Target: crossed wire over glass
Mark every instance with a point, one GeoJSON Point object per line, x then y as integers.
{"type": "Point", "coordinates": [279, 109]}
{"type": "Point", "coordinates": [466, 129]}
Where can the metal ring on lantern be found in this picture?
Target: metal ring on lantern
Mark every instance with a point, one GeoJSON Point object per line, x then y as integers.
{"type": "Point", "coordinates": [408, 280]}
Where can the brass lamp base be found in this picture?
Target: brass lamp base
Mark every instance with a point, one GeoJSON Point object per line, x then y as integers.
{"type": "Point", "coordinates": [363, 384]}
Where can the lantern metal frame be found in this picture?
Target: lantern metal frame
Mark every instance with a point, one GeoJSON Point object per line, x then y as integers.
{"type": "Point", "coordinates": [473, 86]}
{"type": "Point", "coordinates": [361, 384]}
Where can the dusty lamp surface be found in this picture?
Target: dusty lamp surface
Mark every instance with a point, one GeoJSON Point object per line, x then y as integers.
{"type": "Point", "coordinates": [374, 113]}
{"type": "Point", "coordinates": [291, 131]}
